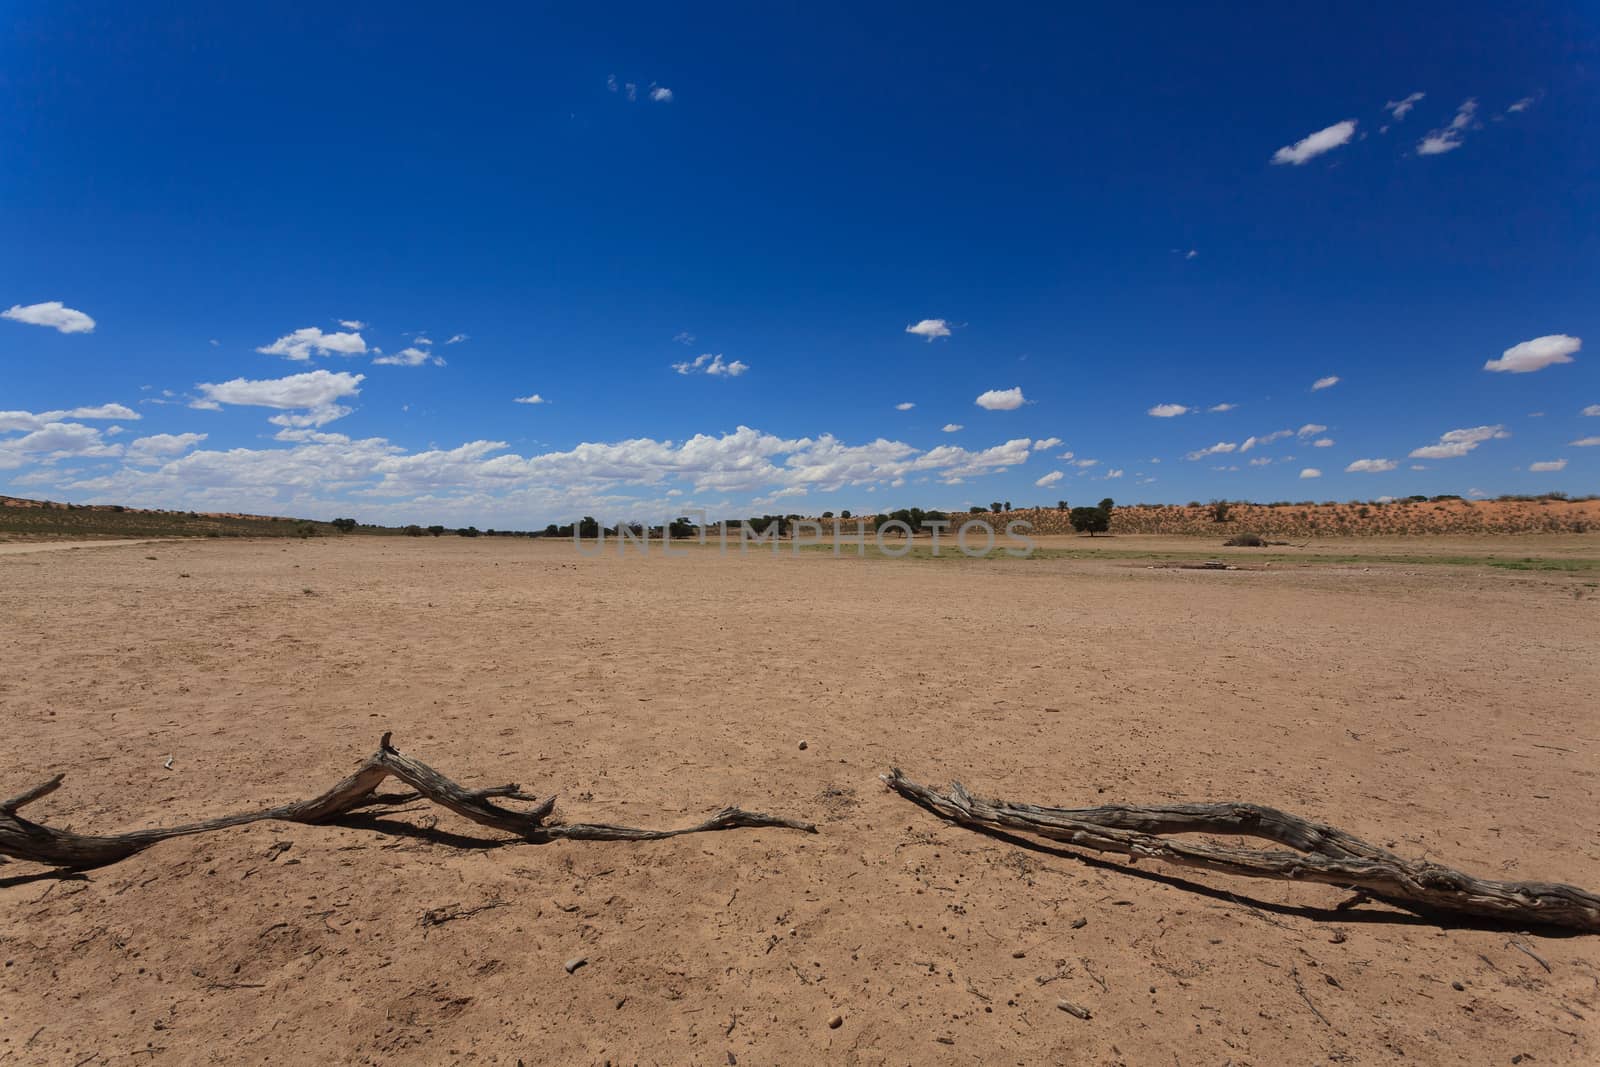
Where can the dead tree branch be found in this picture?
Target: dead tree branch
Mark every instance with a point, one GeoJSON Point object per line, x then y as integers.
{"type": "Point", "coordinates": [27, 840]}
{"type": "Point", "coordinates": [1323, 853]}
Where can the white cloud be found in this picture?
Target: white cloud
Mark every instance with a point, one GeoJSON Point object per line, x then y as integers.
{"type": "Point", "coordinates": [1548, 465]}
{"type": "Point", "coordinates": [661, 94]}
{"type": "Point", "coordinates": [1001, 399]}
{"type": "Point", "coordinates": [1325, 383]}
{"type": "Point", "coordinates": [1448, 138]}
{"type": "Point", "coordinates": [1585, 442]}
{"type": "Point", "coordinates": [1314, 145]}
{"type": "Point", "coordinates": [1536, 354]}
{"type": "Point", "coordinates": [315, 391]}
{"type": "Point", "coordinates": [1193, 253]}
{"type": "Point", "coordinates": [1310, 429]}
{"type": "Point", "coordinates": [952, 427]}
{"type": "Point", "coordinates": [1261, 461]}
{"type": "Point", "coordinates": [1521, 105]}
{"type": "Point", "coordinates": [1168, 411]}
{"type": "Point", "coordinates": [301, 344]}
{"type": "Point", "coordinates": [352, 324]}
{"type": "Point", "coordinates": [712, 365]}
{"type": "Point", "coordinates": [1457, 443]}
{"type": "Point", "coordinates": [51, 313]}
{"type": "Point", "coordinates": [55, 440]}
{"type": "Point", "coordinates": [930, 328]}
{"type": "Point", "coordinates": [531, 398]}
{"type": "Point", "coordinates": [1220, 448]}
{"type": "Point", "coordinates": [1115, 472]}
{"type": "Point", "coordinates": [455, 338]}
{"type": "Point", "coordinates": [1370, 466]}
{"type": "Point", "coordinates": [684, 337]}
{"type": "Point", "coordinates": [1047, 442]}
{"type": "Point", "coordinates": [1322, 442]}
{"type": "Point", "coordinates": [1401, 108]}
{"type": "Point", "coordinates": [1219, 408]}
{"type": "Point", "coordinates": [1265, 439]}
{"type": "Point", "coordinates": [422, 339]}
{"type": "Point", "coordinates": [13, 421]}
{"type": "Point", "coordinates": [1592, 409]}
{"type": "Point", "coordinates": [1049, 479]}
{"type": "Point", "coordinates": [1310, 472]}
{"type": "Point", "coordinates": [1084, 463]}
{"type": "Point", "coordinates": [409, 357]}
{"type": "Point", "coordinates": [905, 405]}
{"type": "Point", "coordinates": [161, 445]}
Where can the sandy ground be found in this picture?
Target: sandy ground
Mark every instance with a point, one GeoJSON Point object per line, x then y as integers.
{"type": "Point", "coordinates": [25, 547]}
{"type": "Point", "coordinates": [1443, 711]}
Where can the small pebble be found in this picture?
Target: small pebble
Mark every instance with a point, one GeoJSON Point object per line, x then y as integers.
{"type": "Point", "coordinates": [1019, 954]}
{"type": "Point", "coordinates": [804, 746]}
{"type": "Point", "coordinates": [1458, 987]}
{"type": "Point", "coordinates": [1080, 923]}
{"type": "Point", "coordinates": [836, 1022]}
{"type": "Point", "coordinates": [574, 963]}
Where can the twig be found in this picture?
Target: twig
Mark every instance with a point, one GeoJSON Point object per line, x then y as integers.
{"type": "Point", "coordinates": [1322, 853]}
{"type": "Point", "coordinates": [64, 848]}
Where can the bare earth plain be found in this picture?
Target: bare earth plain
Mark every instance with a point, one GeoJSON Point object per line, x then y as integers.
{"type": "Point", "coordinates": [1414, 692]}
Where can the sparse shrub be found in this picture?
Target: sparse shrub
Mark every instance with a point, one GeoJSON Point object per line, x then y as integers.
{"type": "Point", "coordinates": [1245, 540]}
{"type": "Point", "coordinates": [1220, 510]}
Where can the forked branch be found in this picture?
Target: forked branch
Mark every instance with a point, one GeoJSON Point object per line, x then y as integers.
{"type": "Point", "coordinates": [27, 840]}
{"type": "Point", "coordinates": [1322, 853]}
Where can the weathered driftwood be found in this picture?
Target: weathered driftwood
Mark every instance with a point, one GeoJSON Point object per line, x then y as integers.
{"type": "Point", "coordinates": [1324, 854]}
{"type": "Point", "coordinates": [63, 848]}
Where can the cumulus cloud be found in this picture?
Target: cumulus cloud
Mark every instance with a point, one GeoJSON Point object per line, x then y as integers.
{"type": "Point", "coordinates": [12, 421]}
{"type": "Point", "coordinates": [1448, 138]}
{"type": "Point", "coordinates": [455, 338]}
{"type": "Point", "coordinates": [1325, 383]}
{"type": "Point", "coordinates": [1521, 105]}
{"type": "Point", "coordinates": [1265, 439]}
{"type": "Point", "coordinates": [1370, 466]}
{"type": "Point", "coordinates": [1401, 108]}
{"type": "Point", "coordinates": [928, 329]}
{"type": "Point", "coordinates": [952, 427]}
{"type": "Point", "coordinates": [1001, 399]}
{"type": "Point", "coordinates": [904, 405]}
{"type": "Point", "coordinates": [1323, 442]}
{"type": "Point", "coordinates": [1537, 354]}
{"type": "Point", "coordinates": [302, 344]}
{"type": "Point", "coordinates": [1049, 479]}
{"type": "Point", "coordinates": [352, 324]}
{"type": "Point", "coordinates": [410, 357]}
{"type": "Point", "coordinates": [1115, 472]}
{"type": "Point", "coordinates": [1592, 409]}
{"type": "Point", "coordinates": [162, 445]}
{"type": "Point", "coordinates": [315, 391]}
{"type": "Point", "coordinates": [1310, 429]}
{"type": "Point", "coordinates": [1084, 463]}
{"type": "Point", "coordinates": [1220, 448]}
{"type": "Point", "coordinates": [531, 398]}
{"type": "Point", "coordinates": [713, 365]}
{"type": "Point", "coordinates": [1048, 442]}
{"type": "Point", "coordinates": [1548, 465]}
{"type": "Point", "coordinates": [1313, 145]}
{"type": "Point", "coordinates": [1457, 443]}
{"type": "Point", "coordinates": [661, 94]}
{"type": "Point", "coordinates": [1217, 409]}
{"type": "Point", "coordinates": [1585, 442]}
{"type": "Point", "coordinates": [51, 313]}
{"type": "Point", "coordinates": [1168, 411]}
{"type": "Point", "coordinates": [1310, 472]}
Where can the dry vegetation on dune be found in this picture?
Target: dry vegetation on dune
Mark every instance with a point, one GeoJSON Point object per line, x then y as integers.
{"type": "Point", "coordinates": [1400, 518]}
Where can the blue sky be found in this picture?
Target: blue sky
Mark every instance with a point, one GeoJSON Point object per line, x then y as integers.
{"type": "Point", "coordinates": [307, 262]}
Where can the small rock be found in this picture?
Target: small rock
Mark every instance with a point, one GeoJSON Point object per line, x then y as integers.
{"type": "Point", "coordinates": [836, 1022]}
{"type": "Point", "coordinates": [1079, 923]}
{"type": "Point", "coordinates": [1458, 987]}
{"type": "Point", "coordinates": [574, 963]}
{"type": "Point", "coordinates": [1019, 954]}
{"type": "Point", "coordinates": [804, 746]}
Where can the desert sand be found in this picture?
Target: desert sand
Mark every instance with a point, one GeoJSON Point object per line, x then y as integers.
{"type": "Point", "coordinates": [1447, 711]}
